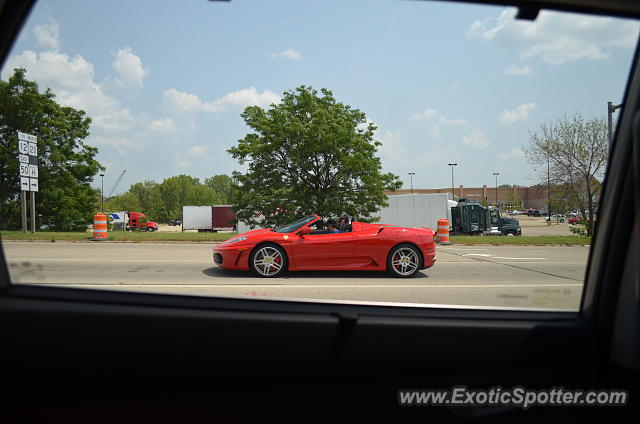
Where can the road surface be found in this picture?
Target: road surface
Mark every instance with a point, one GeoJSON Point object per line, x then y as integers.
{"type": "Point", "coordinates": [511, 276]}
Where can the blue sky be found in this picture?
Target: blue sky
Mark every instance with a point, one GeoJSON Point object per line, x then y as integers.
{"type": "Point", "coordinates": [165, 81]}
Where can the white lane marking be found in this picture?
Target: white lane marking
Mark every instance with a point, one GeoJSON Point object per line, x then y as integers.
{"type": "Point", "coordinates": [302, 286]}
{"type": "Point", "coordinates": [484, 255]}
{"type": "Point", "coordinates": [504, 257]}
{"type": "Point", "coordinates": [457, 248]}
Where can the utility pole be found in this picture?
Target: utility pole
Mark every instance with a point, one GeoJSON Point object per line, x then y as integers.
{"type": "Point", "coordinates": [496, 174]}
{"type": "Point", "coordinates": [102, 193]}
{"type": "Point", "coordinates": [411, 174]}
{"type": "Point", "coordinates": [610, 109]}
{"type": "Point", "coordinates": [452, 185]}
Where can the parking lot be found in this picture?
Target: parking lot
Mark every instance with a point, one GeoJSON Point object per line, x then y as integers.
{"type": "Point", "coordinates": [510, 276]}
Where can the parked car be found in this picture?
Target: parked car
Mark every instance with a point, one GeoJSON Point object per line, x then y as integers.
{"type": "Point", "coordinates": [175, 222]}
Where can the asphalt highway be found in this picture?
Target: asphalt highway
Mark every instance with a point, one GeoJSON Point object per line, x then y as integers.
{"type": "Point", "coordinates": [506, 276]}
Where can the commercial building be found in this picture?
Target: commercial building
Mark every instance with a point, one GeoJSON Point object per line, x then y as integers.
{"type": "Point", "coordinates": [527, 197]}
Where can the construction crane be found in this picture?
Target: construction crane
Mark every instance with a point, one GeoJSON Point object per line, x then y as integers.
{"type": "Point", "coordinates": [116, 184]}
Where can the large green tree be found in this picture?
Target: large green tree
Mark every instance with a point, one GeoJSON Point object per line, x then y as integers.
{"type": "Point", "coordinates": [221, 184]}
{"type": "Point", "coordinates": [308, 154]}
{"type": "Point", "coordinates": [66, 164]}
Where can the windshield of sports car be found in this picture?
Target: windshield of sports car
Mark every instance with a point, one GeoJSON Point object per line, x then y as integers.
{"type": "Point", "coordinates": [296, 225]}
{"type": "Point", "coordinates": [164, 146]}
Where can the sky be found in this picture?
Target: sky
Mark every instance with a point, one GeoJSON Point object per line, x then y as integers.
{"type": "Point", "coordinates": [165, 81]}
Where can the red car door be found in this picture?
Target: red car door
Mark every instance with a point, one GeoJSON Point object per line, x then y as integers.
{"type": "Point", "coordinates": [323, 251]}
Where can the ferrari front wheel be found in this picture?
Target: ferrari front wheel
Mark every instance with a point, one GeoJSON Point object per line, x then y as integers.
{"type": "Point", "coordinates": [404, 261]}
{"type": "Point", "coordinates": [268, 260]}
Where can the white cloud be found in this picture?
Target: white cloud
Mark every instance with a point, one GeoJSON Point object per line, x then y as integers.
{"type": "Point", "coordinates": [179, 101]}
{"type": "Point", "coordinates": [129, 70]}
{"type": "Point", "coordinates": [392, 148]}
{"type": "Point", "coordinates": [197, 150]}
{"type": "Point", "coordinates": [182, 102]}
{"type": "Point", "coordinates": [476, 139]}
{"type": "Point", "coordinates": [183, 164]}
{"type": "Point", "coordinates": [456, 87]}
{"type": "Point", "coordinates": [72, 79]}
{"type": "Point", "coordinates": [520, 113]}
{"type": "Point", "coordinates": [558, 38]}
{"type": "Point", "coordinates": [520, 71]}
{"type": "Point", "coordinates": [243, 98]}
{"type": "Point", "coordinates": [290, 54]}
{"type": "Point", "coordinates": [514, 154]}
{"type": "Point", "coordinates": [434, 114]}
{"type": "Point", "coordinates": [163, 125]}
{"type": "Point", "coordinates": [48, 35]}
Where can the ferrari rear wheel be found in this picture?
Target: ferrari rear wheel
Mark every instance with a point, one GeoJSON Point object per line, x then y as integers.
{"type": "Point", "coordinates": [404, 261]}
{"type": "Point", "coordinates": [268, 261]}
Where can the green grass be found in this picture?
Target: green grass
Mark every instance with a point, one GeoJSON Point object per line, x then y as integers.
{"type": "Point", "coordinates": [521, 240]}
{"type": "Point", "coordinates": [117, 236]}
{"type": "Point", "coordinates": [121, 236]}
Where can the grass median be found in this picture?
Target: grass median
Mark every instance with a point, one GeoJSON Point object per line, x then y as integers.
{"type": "Point", "coordinates": [117, 236]}
{"type": "Point", "coordinates": [121, 236]}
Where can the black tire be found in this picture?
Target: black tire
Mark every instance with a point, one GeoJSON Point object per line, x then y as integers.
{"type": "Point", "coordinates": [408, 269]}
{"type": "Point", "coordinates": [274, 253]}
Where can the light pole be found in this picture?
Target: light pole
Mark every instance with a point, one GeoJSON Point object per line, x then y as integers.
{"type": "Point", "coordinates": [496, 174]}
{"type": "Point", "coordinates": [548, 192]}
{"type": "Point", "coordinates": [610, 109]}
{"type": "Point", "coordinates": [452, 185]}
{"type": "Point", "coordinates": [411, 174]}
{"type": "Point", "coordinates": [102, 192]}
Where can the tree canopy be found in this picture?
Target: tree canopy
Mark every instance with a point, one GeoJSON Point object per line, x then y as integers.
{"type": "Point", "coordinates": [164, 201]}
{"type": "Point", "coordinates": [66, 165]}
{"type": "Point", "coordinates": [308, 154]}
{"type": "Point", "coordinates": [576, 151]}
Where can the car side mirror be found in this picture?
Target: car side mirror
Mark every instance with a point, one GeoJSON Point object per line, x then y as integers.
{"type": "Point", "coordinates": [305, 230]}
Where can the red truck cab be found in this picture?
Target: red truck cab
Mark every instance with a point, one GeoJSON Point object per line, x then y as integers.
{"type": "Point", "coordinates": [138, 223]}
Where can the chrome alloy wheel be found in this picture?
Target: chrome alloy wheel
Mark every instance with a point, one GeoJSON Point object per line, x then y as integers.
{"type": "Point", "coordinates": [405, 261]}
{"type": "Point", "coordinates": [267, 261]}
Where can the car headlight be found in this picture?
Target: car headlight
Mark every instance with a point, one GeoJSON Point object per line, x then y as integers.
{"type": "Point", "coordinates": [241, 238]}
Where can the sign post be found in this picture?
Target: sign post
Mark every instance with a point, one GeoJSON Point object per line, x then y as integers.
{"type": "Point", "coordinates": [28, 158]}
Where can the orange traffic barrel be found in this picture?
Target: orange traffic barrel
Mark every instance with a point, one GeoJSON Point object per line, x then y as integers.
{"type": "Point", "coordinates": [100, 227]}
{"type": "Point", "coordinates": [442, 236]}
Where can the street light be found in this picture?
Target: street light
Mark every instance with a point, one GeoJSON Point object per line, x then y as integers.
{"type": "Point", "coordinates": [411, 174]}
{"type": "Point", "coordinates": [496, 174]}
{"type": "Point", "coordinates": [610, 109]}
{"type": "Point", "coordinates": [452, 185]}
{"type": "Point", "coordinates": [102, 192]}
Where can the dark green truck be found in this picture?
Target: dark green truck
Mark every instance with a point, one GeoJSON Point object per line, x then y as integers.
{"type": "Point", "coordinates": [471, 218]}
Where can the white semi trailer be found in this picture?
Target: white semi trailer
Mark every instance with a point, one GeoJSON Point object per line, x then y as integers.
{"type": "Point", "coordinates": [416, 210]}
{"type": "Point", "coordinates": [407, 210]}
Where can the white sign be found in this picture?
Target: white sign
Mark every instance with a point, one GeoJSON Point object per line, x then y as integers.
{"type": "Point", "coordinates": [28, 159]}
{"type": "Point", "coordinates": [23, 147]}
{"type": "Point", "coordinates": [27, 137]}
{"type": "Point", "coordinates": [24, 170]}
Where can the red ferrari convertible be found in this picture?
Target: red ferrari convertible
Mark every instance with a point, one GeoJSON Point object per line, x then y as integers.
{"type": "Point", "coordinates": [299, 247]}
